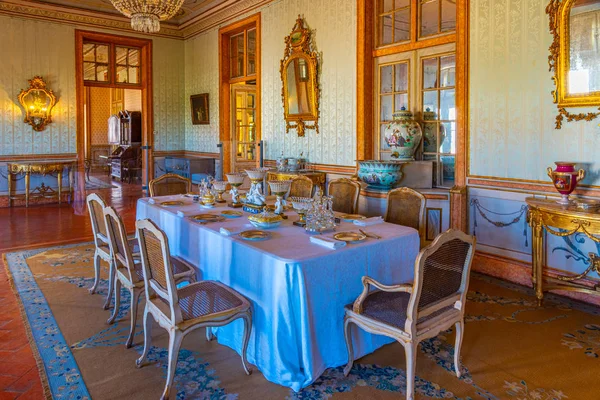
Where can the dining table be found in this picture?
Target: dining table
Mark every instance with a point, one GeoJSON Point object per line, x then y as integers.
{"type": "Point", "coordinates": [298, 289]}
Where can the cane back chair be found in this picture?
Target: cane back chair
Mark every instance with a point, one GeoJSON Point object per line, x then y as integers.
{"type": "Point", "coordinates": [413, 312]}
{"type": "Point", "coordinates": [183, 310]}
{"type": "Point", "coordinates": [345, 195]}
{"type": "Point", "coordinates": [96, 206]}
{"type": "Point", "coordinates": [128, 269]}
{"type": "Point", "coordinates": [302, 186]}
{"type": "Point", "coordinates": [406, 206]}
{"type": "Point", "coordinates": [169, 184]}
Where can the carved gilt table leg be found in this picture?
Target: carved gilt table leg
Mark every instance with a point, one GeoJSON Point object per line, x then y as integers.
{"type": "Point", "coordinates": [27, 188]}
{"type": "Point", "coordinates": [538, 262]}
{"type": "Point", "coordinates": [10, 193]}
{"type": "Point", "coordinates": [59, 179]}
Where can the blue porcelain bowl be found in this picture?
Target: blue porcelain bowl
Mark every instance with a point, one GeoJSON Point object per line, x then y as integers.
{"type": "Point", "coordinates": [380, 174]}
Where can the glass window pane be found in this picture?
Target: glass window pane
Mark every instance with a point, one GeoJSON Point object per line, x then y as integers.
{"type": "Point", "coordinates": [383, 145]}
{"type": "Point", "coordinates": [101, 53]}
{"type": "Point", "coordinates": [401, 83]}
{"type": "Point", "coordinates": [430, 101]}
{"type": "Point", "coordinates": [448, 137]}
{"type": "Point", "coordinates": [237, 55]}
{"type": "Point", "coordinates": [251, 37]}
{"type": "Point", "coordinates": [402, 25]}
{"type": "Point", "coordinates": [89, 71]}
{"type": "Point", "coordinates": [102, 73]}
{"type": "Point", "coordinates": [385, 6]}
{"type": "Point", "coordinates": [400, 100]}
{"type": "Point", "coordinates": [134, 75]}
{"type": "Point", "coordinates": [448, 15]}
{"type": "Point", "coordinates": [134, 57]}
{"type": "Point", "coordinates": [429, 18]}
{"type": "Point", "coordinates": [250, 117]}
{"type": "Point", "coordinates": [122, 74]}
{"type": "Point", "coordinates": [447, 109]}
{"type": "Point", "coordinates": [447, 171]}
{"type": "Point", "coordinates": [386, 78]}
{"type": "Point", "coordinates": [402, 3]}
{"type": "Point", "coordinates": [448, 70]}
{"type": "Point", "coordinates": [386, 108]}
{"type": "Point", "coordinates": [88, 52]}
{"type": "Point", "coordinates": [385, 29]}
{"type": "Point", "coordinates": [430, 137]}
{"type": "Point", "coordinates": [121, 55]}
{"type": "Point", "coordinates": [250, 100]}
{"type": "Point", "coordinates": [430, 66]}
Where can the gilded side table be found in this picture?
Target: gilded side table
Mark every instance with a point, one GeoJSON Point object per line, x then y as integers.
{"type": "Point", "coordinates": [317, 177]}
{"type": "Point", "coordinates": [42, 168]}
{"type": "Point", "coordinates": [560, 220]}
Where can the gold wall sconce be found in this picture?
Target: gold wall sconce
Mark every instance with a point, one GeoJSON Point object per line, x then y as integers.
{"type": "Point", "coordinates": [37, 101]}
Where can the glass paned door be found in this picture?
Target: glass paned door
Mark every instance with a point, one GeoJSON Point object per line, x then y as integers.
{"type": "Point", "coordinates": [245, 146]}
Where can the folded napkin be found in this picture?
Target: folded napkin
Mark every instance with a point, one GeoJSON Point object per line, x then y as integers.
{"type": "Point", "coordinates": [233, 230]}
{"type": "Point", "coordinates": [368, 221]}
{"type": "Point", "coordinates": [151, 200]}
{"type": "Point", "coordinates": [329, 243]}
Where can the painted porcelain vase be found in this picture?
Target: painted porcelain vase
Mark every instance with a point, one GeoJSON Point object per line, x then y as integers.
{"type": "Point", "coordinates": [565, 179]}
{"type": "Point", "coordinates": [380, 174]}
{"type": "Point", "coordinates": [403, 135]}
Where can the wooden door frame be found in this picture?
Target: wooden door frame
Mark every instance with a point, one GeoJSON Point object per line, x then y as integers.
{"type": "Point", "coordinates": [225, 34]}
{"type": "Point", "coordinates": [146, 87]}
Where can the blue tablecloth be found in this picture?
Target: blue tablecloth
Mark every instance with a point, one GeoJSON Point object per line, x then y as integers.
{"type": "Point", "coordinates": [298, 289]}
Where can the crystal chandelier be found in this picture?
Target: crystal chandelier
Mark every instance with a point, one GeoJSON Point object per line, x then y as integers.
{"type": "Point", "coordinates": [146, 14]}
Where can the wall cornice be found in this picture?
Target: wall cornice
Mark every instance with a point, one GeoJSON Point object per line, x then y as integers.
{"type": "Point", "coordinates": [75, 16]}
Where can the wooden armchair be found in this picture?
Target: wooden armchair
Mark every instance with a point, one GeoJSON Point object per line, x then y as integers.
{"type": "Point", "coordinates": [128, 268]}
{"type": "Point", "coordinates": [345, 195]}
{"type": "Point", "coordinates": [302, 186]}
{"type": "Point", "coordinates": [411, 313]}
{"type": "Point", "coordinates": [406, 207]}
{"type": "Point", "coordinates": [182, 310]}
{"type": "Point", "coordinates": [169, 184]}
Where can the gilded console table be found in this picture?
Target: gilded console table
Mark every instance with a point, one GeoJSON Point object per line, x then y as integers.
{"type": "Point", "coordinates": [317, 177]}
{"type": "Point", "coordinates": [560, 220]}
{"type": "Point", "coordinates": [41, 168]}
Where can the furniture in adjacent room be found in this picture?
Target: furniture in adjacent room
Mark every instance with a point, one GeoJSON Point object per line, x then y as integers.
{"type": "Point", "coordinates": [317, 177]}
{"type": "Point", "coordinates": [204, 304]}
{"type": "Point", "coordinates": [288, 279]}
{"type": "Point", "coordinates": [561, 220]}
{"type": "Point", "coordinates": [120, 158]}
{"type": "Point", "coordinates": [43, 168]}
{"type": "Point", "coordinates": [169, 184]}
{"type": "Point", "coordinates": [406, 206]}
{"type": "Point", "coordinates": [413, 312]}
{"type": "Point", "coordinates": [345, 194]}
{"type": "Point", "coordinates": [128, 269]}
{"type": "Point", "coordinates": [193, 168]}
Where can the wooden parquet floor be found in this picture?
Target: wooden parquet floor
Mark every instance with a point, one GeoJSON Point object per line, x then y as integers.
{"type": "Point", "coordinates": [42, 226]}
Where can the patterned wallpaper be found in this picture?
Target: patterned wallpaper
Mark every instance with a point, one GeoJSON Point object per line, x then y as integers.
{"type": "Point", "coordinates": [99, 113]}
{"type": "Point", "coordinates": [132, 99]}
{"type": "Point", "coordinates": [511, 123]}
{"type": "Point", "coordinates": [202, 76]}
{"type": "Point", "coordinates": [334, 26]}
{"type": "Point", "coordinates": [30, 47]}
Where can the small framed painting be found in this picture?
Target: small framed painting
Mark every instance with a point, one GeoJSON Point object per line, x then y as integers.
{"type": "Point", "coordinates": [199, 106]}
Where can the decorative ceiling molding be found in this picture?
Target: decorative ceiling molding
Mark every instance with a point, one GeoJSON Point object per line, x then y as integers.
{"type": "Point", "coordinates": [64, 14]}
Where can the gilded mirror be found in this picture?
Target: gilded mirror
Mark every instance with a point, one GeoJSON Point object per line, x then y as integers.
{"type": "Point", "coordinates": [37, 101]}
{"type": "Point", "coordinates": [300, 90]}
{"type": "Point", "coordinates": [575, 56]}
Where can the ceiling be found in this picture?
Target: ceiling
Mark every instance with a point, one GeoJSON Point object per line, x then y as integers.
{"type": "Point", "coordinates": [189, 10]}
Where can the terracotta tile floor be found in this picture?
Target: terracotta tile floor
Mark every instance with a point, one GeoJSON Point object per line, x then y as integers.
{"type": "Point", "coordinates": [41, 226]}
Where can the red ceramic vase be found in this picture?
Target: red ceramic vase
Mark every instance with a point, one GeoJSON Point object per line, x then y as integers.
{"type": "Point", "coordinates": [565, 179]}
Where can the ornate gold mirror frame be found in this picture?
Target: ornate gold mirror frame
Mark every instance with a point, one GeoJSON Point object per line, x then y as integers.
{"type": "Point", "coordinates": [559, 12]}
{"type": "Point", "coordinates": [300, 52]}
{"type": "Point", "coordinates": [37, 101]}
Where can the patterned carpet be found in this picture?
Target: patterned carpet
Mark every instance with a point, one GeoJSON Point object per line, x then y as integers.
{"type": "Point", "coordinates": [512, 349]}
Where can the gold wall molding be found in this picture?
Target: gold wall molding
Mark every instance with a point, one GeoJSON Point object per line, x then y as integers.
{"type": "Point", "coordinates": [70, 15]}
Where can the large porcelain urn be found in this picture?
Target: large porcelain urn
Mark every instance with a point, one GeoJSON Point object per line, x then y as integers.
{"type": "Point", "coordinates": [403, 135]}
{"type": "Point", "coordinates": [565, 179]}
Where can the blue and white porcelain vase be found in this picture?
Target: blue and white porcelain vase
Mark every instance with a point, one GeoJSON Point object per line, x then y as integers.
{"type": "Point", "coordinates": [403, 135]}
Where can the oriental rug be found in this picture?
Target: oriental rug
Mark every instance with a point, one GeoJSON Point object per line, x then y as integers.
{"type": "Point", "coordinates": [512, 349]}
